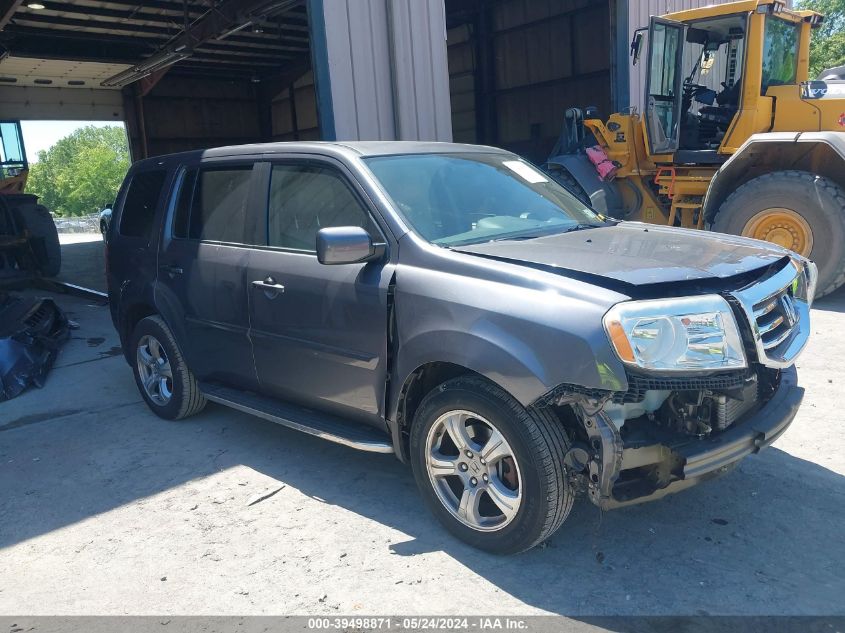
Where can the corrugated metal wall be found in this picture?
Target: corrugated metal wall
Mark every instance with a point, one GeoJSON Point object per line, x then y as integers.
{"type": "Point", "coordinates": [543, 57]}
{"type": "Point", "coordinates": [380, 68]}
{"type": "Point", "coordinates": [639, 12]}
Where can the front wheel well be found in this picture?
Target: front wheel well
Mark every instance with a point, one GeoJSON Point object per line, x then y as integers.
{"type": "Point", "coordinates": [766, 157]}
{"type": "Point", "coordinates": [420, 382]}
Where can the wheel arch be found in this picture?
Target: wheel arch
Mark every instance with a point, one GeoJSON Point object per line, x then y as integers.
{"type": "Point", "coordinates": [414, 388]}
{"type": "Point", "coordinates": [821, 153]}
{"type": "Point", "coordinates": [129, 318]}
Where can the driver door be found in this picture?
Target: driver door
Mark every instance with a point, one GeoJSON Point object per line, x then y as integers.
{"type": "Point", "coordinates": [664, 77]}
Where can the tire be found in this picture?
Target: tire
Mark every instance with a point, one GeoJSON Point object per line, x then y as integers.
{"type": "Point", "coordinates": [567, 180]}
{"type": "Point", "coordinates": [534, 439]}
{"type": "Point", "coordinates": [818, 202]}
{"type": "Point", "coordinates": [183, 396]}
{"type": "Point", "coordinates": [40, 224]}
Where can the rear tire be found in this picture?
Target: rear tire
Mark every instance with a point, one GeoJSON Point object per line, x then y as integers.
{"type": "Point", "coordinates": [802, 200]}
{"type": "Point", "coordinates": [161, 374]}
{"type": "Point", "coordinates": [524, 495]}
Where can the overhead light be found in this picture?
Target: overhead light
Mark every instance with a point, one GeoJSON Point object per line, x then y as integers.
{"type": "Point", "coordinates": [37, 6]}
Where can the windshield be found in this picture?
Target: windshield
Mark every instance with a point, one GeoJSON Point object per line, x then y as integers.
{"type": "Point", "coordinates": [457, 199]}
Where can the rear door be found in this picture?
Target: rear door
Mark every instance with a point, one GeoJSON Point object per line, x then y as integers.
{"type": "Point", "coordinates": [320, 339]}
{"type": "Point", "coordinates": [215, 217]}
{"type": "Point", "coordinates": [664, 77]}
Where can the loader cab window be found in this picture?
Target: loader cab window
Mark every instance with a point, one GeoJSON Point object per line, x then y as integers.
{"type": "Point", "coordinates": [714, 53]}
{"type": "Point", "coordinates": [780, 52]}
{"type": "Point", "coordinates": [663, 81]}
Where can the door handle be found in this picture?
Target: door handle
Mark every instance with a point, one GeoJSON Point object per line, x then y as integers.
{"type": "Point", "coordinates": [171, 270]}
{"type": "Point", "coordinates": [269, 286]}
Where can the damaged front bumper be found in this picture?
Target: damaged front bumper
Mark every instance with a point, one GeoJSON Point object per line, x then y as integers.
{"type": "Point", "coordinates": [625, 473]}
{"type": "Point", "coordinates": [31, 333]}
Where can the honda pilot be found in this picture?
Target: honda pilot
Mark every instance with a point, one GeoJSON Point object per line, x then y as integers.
{"type": "Point", "coordinates": [453, 306]}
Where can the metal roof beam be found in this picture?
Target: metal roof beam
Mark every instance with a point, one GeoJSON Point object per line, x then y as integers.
{"type": "Point", "coordinates": [7, 10]}
{"type": "Point", "coordinates": [124, 16]}
{"type": "Point", "coordinates": [218, 23]}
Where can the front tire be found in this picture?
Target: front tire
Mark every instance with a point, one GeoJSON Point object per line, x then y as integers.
{"type": "Point", "coordinates": [161, 374]}
{"type": "Point", "coordinates": [491, 471]}
{"type": "Point", "coordinates": [565, 179]}
{"type": "Point", "coordinates": [798, 210]}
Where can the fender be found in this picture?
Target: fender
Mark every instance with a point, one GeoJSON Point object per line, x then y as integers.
{"type": "Point", "coordinates": [821, 153]}
{"type": "Point", "coordinates": [605, 196]}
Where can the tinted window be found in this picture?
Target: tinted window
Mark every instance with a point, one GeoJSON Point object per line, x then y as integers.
{"type": "Point", "coordinates": [307, 198]}
{"type": "Point", "coordinates": [780, 52]}
{"type": "Point", "coordinates": [136, 219]}
{"type": "Point", "coordinates": [182, 213]}
{"type": "Point", "coordinates": [219, 210]}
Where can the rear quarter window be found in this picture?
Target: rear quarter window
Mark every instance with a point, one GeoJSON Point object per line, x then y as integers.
{"type": "Point", "coordinates": [139, 206]}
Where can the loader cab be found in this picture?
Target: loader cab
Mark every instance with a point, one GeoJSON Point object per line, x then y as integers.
{"type": "Point", "coordinates": [13, 163]}
{"type": "Point", "coordinates": [694, 79]}
{"type": "Point", "coordinates": [708, 75]}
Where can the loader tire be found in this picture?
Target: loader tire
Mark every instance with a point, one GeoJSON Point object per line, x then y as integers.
{"type": "Point", "coordinates": [40, 224]}
{"type": "Point", "coordinates": [798, 210]}
{"type": "Point", "coordinates": [567, 180]}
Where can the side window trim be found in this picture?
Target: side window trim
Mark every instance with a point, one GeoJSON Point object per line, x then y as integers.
{"type": "Point", "coordinates": [355, 187]}
{"type": "Point", "coordinates": [175, 193]}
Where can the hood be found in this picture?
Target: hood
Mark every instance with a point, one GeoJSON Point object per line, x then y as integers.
{"type": "Point", "coordinates": [638, 254]}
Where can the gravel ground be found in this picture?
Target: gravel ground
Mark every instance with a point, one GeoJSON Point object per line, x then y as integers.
{"type": "Point", "coordinates": [106, 509]}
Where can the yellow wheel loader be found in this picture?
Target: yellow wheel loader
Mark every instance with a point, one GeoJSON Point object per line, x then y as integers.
{"type": "Point", "coordinates": [29, 242]}
{"type": "Point", "coordinates": [733, 135]}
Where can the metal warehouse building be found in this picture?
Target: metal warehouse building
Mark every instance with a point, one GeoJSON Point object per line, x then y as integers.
{"type": "Point", "coordinates": [187, 74]}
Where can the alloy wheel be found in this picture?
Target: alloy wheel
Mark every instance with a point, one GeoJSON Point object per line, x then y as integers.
{"type": "Point", "coordinates": [154, 370]}
{"type": "Point", "coordinates": [473, 470]}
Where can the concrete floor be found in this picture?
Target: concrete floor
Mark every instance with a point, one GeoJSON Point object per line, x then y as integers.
{"type": "Point", "coordinates": [106, 509]}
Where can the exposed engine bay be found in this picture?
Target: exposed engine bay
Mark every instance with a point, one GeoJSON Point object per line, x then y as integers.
{"type": "Point", "coordinates": [631, 446]}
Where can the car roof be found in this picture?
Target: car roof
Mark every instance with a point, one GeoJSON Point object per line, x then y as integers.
{"type": "Point", "coordinates": [342, 148]}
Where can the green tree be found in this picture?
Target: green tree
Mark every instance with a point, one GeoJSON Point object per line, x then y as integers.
{"type": "Point", "coordinates": [827, 46]}
{"type": "Point", "coordinates": [81, 172]}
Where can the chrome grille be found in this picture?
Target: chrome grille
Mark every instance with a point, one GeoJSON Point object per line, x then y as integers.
{"type": "Point", "coordinates": [779, 315]}
{"type": "Point", "coordinates": [776, 318]}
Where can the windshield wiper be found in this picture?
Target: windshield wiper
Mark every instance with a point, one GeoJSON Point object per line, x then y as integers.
{"type": "Point", "coordinates": [581, 227]}
{"type": "Point", "coordinates": [535, 235]}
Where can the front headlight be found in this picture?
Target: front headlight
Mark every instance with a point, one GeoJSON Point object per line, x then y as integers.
{"type": "Point", "coordinates": [684, 334]}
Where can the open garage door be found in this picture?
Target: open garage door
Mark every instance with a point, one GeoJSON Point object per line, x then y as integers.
{"type": "Point", "coordinates": [182, 75]}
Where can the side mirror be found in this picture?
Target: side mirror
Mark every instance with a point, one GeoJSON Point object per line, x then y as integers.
{"type": "Point", "coordinates": [346, 245]}
{"type": "Point", "coordinates": [636, 46]}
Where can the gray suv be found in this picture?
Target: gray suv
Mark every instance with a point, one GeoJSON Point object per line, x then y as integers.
{"type": "Point", "coordinates": [453, 306]}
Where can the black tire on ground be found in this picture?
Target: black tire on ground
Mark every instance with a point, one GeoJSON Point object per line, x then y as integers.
{"type": "Point", "coordinates": [186, 399]}
{"type": "Point", "coordinates": [567, 180]}
{"type": "Point", "coordinates": [40, 224]}
{"type": "Point", "coordinates": [539, 443]}
{"type": "Point", "coordinates": [818, 200]}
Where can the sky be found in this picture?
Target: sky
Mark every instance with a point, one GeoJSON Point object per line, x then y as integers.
{"type": "Point", "coordinates": [38, 135]}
